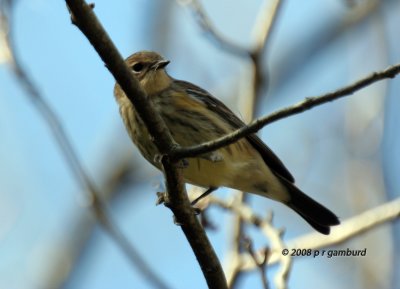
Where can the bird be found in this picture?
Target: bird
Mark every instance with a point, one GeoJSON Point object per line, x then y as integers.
{"type": "Point", "coordinates": [193, 116]}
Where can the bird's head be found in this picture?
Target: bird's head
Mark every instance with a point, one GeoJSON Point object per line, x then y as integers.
{"type": "Point", "coordinates": [149, 69]}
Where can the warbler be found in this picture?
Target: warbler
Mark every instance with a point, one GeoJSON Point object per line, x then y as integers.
{"type": "Point", "coordinates": [194, 116]}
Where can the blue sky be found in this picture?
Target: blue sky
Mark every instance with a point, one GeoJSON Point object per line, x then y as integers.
{"type": "Point", "coordinates": [334, 151]}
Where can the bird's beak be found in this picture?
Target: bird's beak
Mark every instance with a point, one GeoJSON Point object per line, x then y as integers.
{"type": "Point", "coordinates": [160, 64]}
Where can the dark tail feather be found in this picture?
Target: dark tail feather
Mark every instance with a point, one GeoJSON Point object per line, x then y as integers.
{"type": "Point", "coordinates": [319, 217]}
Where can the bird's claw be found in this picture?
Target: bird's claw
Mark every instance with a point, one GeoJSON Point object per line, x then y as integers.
{"type": "Point", "coordinates": [162, 199]}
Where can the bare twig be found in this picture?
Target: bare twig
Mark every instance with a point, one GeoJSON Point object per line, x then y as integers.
{"type": "Point", "coordinates": [304, 105]}
{"type": "Point", "coordinates": [236, 251]}
{"type": "Point", "coordinates": [271, 233]}
{"type": "Point", "coordinates": [97, 205]}
{"type": "Point", "coordinates": [261, 30]}
{"type": "Point", "coordinates": [209, 30]}
{"type": "Point", "coordinates": [265, 23]}
{"type": "Point", "coordinates": [300, 54]}
{"type": "Point", "coordinates": [347, 230]}
{"type": "Point", "coordinates": [261, 265]}
{"type": "Point", "coordinates": [82, 228]}
{"type": "Point", "coordinates": [176, 198]}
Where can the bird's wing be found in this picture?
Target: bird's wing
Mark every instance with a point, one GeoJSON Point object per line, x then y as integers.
{"type": "Point", "coordinates": [220, 109]}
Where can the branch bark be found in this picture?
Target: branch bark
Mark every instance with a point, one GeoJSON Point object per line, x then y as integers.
{"type": "Point", "coordinates": [304, 105]}
{"type": "Point", "coordinates": [84, 18]}
{"type": "Point", "coordinates": [97, 205]}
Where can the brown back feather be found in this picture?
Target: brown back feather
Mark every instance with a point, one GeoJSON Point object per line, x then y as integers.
{"type": "Point", "coordinates": [215, 105]}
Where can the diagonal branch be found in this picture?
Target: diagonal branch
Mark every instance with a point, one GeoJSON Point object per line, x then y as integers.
{"type": "Point", "coordinates": [265, 23]}
{"type": "Point", "coordinates": [205, 23]}
{"type": "Point", "coordinates": [83, 17]}
{"type": "Point", "coordinates": [304, 105]}
{"type": "Point", "coordinates": [52, 120]}
{"type": "Point", "coordinates": [262, 28]}
{"type": "Point", "coordinates": [176, 199]}
{"type": "Point", "coordinates": [347, 230]}
{"type": "Point", "coordinates": [272, 234]}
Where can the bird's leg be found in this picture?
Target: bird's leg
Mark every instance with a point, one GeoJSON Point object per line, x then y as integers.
{"type": "Point", "coordinates": [205, 194]}
{"type": "Point", "coordinates": [162, 198]}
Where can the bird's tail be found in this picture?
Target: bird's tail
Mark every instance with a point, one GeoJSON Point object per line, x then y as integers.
{"type": "Point", "coordinates": [319, 217]}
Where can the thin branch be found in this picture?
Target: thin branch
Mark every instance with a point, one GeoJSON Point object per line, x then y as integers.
{"type": "Point", "coordinates": [262, 31]}
{"type": "Point", "coordinates": [290, 64]}
{"type": "Point", "coordinates": [176, 198]}
{"type": "Point", "coordinates": [81, 230]}
{"type": "Point", "coordinates": [265, 23]}
{"type": "Point", "coordinates": [185, 217]}
{"type": "Point", "coordinates": [347, 230]}
{"type": "Point", "coordinates": [83, 17]}
{"type": "Point", "coordinates": [236, 250]}
{"type": "Point", "coordinates": [262, 28]}
{"type": "Point", "coordinates": [304, 105]}
{"type": "Point", "coordinates": [248, 244]}
{"type": "Point", "coordinates": [73, 162]}
{"type": "Point", "coordinates": [209, 30]}
{"type": "Point", "coordinates": [271, 233]}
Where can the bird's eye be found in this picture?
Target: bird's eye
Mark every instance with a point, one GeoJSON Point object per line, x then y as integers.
{"type": "Point", "coordinates": [137, 67]}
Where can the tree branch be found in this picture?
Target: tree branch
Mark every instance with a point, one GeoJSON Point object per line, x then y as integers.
{"type": "Point", "coordinates": [83, 17]}
{"type": "Point", "coordinates": [262, 28]}
{"type": "Point", "coordinates": [272, 234]}
{"type": "Point", "coordinates": [304, 105]}
{"type": "Point", "coordinates": [347, 230]}
{"type": "Point", "coordinates": [265, 23]}
{"type": "Point", "coordinates": [205, 23]}
{"type": "Point", "coordinates": [52, 120]}
{"type": "Point", "coordinates": [185, 218]}
{"type": "Point", "coordinates": [261, 31]}
{"type": "Point", "coordinates": [248, 244]}
{"type": "Point", "coordinates": [176, 199]}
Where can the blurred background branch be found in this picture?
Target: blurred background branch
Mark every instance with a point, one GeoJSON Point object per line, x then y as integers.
{"type": "Point", "coordinates": [176, 197]}
{"type": "Point", "coordinates": [261, 30]}
{"type": "Point", "coordinates": [350, 228]}
{"type": "Point", "coordinates": [344, 154]}
{"type": "Point", "coordinates": [273, 235]}
{"type": "Point", "coordinates": [95, 201]}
